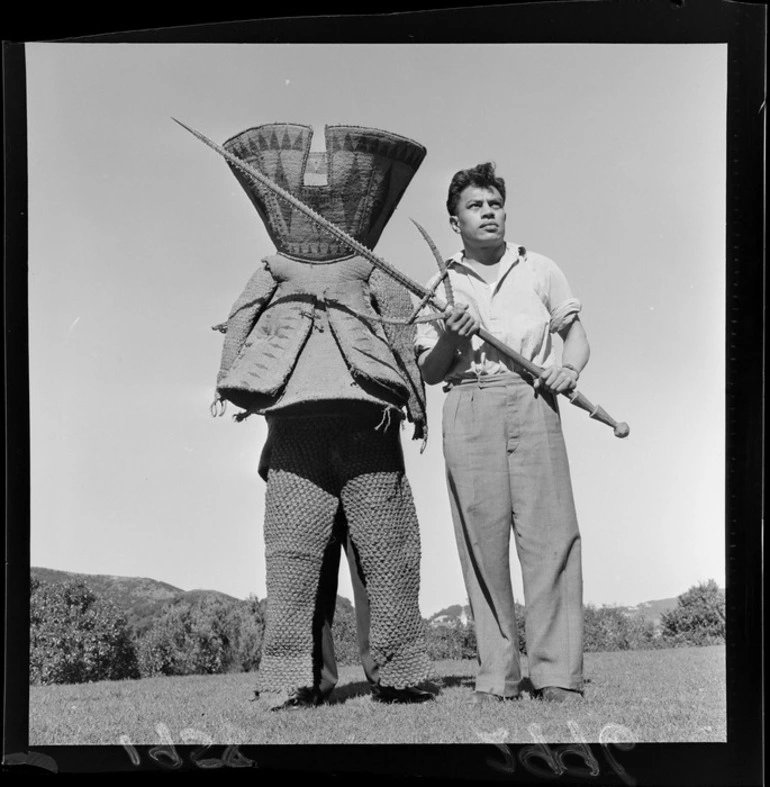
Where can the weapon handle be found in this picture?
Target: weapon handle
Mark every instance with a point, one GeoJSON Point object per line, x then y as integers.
{"type": "Point", "coordinates": [596, 412]}
{"type": "Point", "coordinates": [619, 428]}
{"type": "Point", "coordinates": [519, 360]}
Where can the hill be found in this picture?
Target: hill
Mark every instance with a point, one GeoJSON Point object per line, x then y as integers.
{"type": "Point", "coordinates": [651, 610]}
{"type": "Point", "coordinates": [140, 599]}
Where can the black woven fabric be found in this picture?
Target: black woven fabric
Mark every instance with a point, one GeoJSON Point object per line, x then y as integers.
{"type": "Point", "coordinates": [316, 465]}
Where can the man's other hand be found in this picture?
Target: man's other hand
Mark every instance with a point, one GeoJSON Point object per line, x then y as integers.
{"type": "Point", "coordinates": [557, 379]}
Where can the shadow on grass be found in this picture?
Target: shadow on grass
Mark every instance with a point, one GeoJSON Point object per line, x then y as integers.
{"type": "Point", "coordinates": [349, 691]}
{"type": "Point", "coordinates": [469, 682]}
{"type": "Point", "coordinates": [456, 681]}
{"type": "Point", "coordinates": [363, 688]}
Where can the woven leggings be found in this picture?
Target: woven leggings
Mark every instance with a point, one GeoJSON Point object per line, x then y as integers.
{"type": "Point", "coordinates": [317, 465]}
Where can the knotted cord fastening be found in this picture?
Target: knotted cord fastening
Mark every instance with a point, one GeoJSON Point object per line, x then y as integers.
{"type": "Point", "coordinates": [217, 407]}
{"type": "Point", "coordinates": [385, 421]}
{"type": "Point", "coordinates": [378, 318]}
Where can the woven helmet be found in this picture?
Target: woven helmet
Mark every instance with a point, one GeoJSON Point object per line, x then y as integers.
{"type": "Point", "coordinates": [356, 183]}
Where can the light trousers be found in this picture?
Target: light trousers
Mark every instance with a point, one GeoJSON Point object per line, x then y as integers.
{"type": "Point", "coordinates": [507, 469]}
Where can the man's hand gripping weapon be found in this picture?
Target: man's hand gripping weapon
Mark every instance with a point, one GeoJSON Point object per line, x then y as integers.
{"type": "Point", "coordinates": [428, 297]}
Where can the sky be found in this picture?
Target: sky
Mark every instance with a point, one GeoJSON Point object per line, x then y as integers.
{"type": "Point", "coordinates": [140, 239]}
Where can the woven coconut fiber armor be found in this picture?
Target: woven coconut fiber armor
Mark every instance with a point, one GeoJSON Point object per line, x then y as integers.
{"type": "Point", "coordinates": [316, 465]}
{"type": "Point", "coordinates": [304, 333]}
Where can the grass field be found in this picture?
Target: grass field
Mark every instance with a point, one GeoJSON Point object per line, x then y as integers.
{"type": "Point", "coordinates": [676, 695]}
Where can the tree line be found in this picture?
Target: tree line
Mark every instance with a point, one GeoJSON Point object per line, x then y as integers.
{"type": "Point", "coordinates": [78, 637]}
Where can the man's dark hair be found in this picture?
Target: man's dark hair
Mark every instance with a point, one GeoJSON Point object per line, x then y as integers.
{"type": "Point", "coordinates": [481, 176]}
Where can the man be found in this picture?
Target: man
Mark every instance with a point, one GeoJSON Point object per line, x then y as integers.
{"type": "Point", "coordinates": [506, 463]}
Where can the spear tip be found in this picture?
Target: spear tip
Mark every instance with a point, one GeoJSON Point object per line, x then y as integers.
{"type": "Point", "coordinates": [185, 126]}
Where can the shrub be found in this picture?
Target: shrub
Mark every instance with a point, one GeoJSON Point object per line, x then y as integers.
{"type": "Point", "coordinates": [344, 632]}
{"type": "Point", "coordinates": [643, 634]}
{"type": "Point", "coordinates": [209, 637]}
{"type": "Point", "coordinates": [699, 617]}
{"type": "Point", "coordinates": [457, 640]}
{"type": "Point", "coordinates": [75, 637]}
{"type": "Point", "coordinates": [521, 626]}
{"type": "Point", "coordinates": [246, 624]}
{"type": "Point", "coordinates": [611, 628]}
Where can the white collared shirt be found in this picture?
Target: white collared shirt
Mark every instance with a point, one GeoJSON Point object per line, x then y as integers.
{"type": "Point", "coordinates": [530, 301]}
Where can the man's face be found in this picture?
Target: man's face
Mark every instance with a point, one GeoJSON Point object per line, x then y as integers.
{"type": "Point", "coordinates": [480, 217]}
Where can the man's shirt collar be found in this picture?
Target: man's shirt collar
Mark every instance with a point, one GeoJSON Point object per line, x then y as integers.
{"type": "Point", "coordinates": [512, 255]}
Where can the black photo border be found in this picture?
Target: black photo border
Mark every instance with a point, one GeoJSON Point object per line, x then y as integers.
{"type": "Point", "coordinates": [740, 25]}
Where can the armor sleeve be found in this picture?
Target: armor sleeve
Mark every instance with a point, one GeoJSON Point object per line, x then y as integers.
{"type": "Point", "coordinates": [244, 314]}
{"type": "Point", "coordinates": [391, 301]}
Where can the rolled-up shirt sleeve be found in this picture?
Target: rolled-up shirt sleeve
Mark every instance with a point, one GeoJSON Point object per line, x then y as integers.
{"type": "Point", "coordinates": [562, 305]}
{"type": "Point", "coordinates": [564, 314]}
{"type": "Point", "coordinates": [428, 334]}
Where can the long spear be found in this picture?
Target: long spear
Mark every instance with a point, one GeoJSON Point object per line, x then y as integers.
{"type": "Point", "coordinates": [595, 411]}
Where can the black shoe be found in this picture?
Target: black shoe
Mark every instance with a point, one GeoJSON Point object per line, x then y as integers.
{"type": "Point", "coordinates": [389, 694]}
{"type": "Point", "coordinates": [304, 697]}
{"type": "Point", "coordinates": [558, 694]}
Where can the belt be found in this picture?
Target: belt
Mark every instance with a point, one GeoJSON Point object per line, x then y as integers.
{"type": "Point", "coordinates": [487, 381]}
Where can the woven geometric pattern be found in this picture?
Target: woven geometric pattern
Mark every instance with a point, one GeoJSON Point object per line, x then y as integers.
{"type": "Point", "coordinates": [316, 465]}
{"type": "Point", "coordinates": [367, 171]}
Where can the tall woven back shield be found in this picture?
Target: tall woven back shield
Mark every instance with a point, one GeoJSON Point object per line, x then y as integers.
{"type": "Point", "coordinates": [356, 183]}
